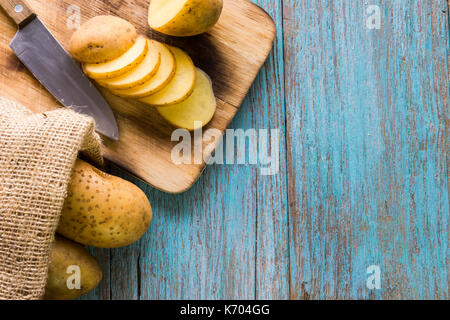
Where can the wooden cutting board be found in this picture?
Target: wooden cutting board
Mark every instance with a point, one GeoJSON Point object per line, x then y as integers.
{"type": "Point", "coordinates": [232, 54]}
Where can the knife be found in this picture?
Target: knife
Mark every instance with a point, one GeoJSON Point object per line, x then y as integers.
{"type": "Point", "coordinates": [41, 53]}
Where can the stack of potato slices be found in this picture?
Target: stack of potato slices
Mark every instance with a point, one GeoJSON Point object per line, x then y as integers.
{"type": "Point", "coordinates": [161, 76]}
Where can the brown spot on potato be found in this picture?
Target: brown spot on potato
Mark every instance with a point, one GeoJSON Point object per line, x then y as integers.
{"type": "Point", "coordinates": [120, 208]}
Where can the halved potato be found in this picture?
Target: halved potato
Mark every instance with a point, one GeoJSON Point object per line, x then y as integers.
{"type": "Point", "coordinates": [140, 74]}
{"type": "Point", "coordinates": [199, 107]}
{"type": "Point", "coordinates": [184, 17]}
{"type": "Point", "coordinates": [180, 87]}
{"type": "Point", "coordinates": [119, 66]}
{"type": "Point", "coordinates": [163, 76]}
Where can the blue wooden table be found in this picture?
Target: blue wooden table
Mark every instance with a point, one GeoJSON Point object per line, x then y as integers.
{"type": "Point", "coordinates": [363, 185]}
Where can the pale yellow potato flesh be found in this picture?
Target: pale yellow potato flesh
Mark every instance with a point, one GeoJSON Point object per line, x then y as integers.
{"type": "Point", "coordinates": [180, 87]}
{"type": "Point", "coordinates": [184, 17]}
{"type": "Point", "coordinates": [140, 74]}
{"type": "Point", "coordinates": [199, 107]}
{"type": "Point", "coordinates": [119, 66]}
{"type": "Point", "coordinates": [163, 76]}
{"type": "Point", "coordinates": [162, 11]}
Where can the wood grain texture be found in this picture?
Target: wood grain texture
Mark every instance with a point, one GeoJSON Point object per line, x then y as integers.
{"type": "Point", "coordinates": [18, 10]}
{"type": "Point", "coordinates": [266, 103]}
{"type": "Point", "coordinates": [232, 54]}
{"type": "Point", "coordinates": [202, 244]}
{"type": "Point", "coordinates": [103, 290]}
{"type": "Point", "coordinates": [367, 123]}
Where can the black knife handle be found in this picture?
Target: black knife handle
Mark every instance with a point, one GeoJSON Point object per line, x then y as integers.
{"type": "Point", "coordinates": [18, 10]}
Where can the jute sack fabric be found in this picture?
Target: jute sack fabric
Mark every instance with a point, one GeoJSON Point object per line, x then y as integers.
{"type": "Point", "coordinates": [37, 155]}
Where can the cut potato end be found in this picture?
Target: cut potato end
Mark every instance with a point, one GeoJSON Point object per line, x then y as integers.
{"type": "Point", "coordinates": [197, 110]}
{"type": "Point", "coordinates": [163, 11]}
{"type": "Point", "coordinates": [180, 87]}
{"type": "Point", "coordinates": [121, 65]}
{"type": "Point", "coordinates": [163, 76]}
{"type": "Point", "coordinates": [140, 74]}
{"type": "Point", "coordinates": [183, 18]}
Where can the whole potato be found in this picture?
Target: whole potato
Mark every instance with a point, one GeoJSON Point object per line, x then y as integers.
{"type": "Point", "coordinates": [64, 255]}
{"type": "Point", "coordinates": [102, 38]}
{"type": "Point", "coordinates": [184, 18]}
{"type": "Point", "coordinates": [102, 210]}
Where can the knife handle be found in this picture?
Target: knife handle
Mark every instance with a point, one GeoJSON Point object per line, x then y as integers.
{"type": "Point", "coordinates": [18, 10]}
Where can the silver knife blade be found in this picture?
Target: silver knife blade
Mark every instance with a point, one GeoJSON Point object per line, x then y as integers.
{"type": "Point", "coordinates": [41, 53]}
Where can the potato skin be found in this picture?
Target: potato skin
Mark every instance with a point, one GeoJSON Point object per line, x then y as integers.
{"type": "Point", "coordinates": [65, 253]}
{"type": "Point", "coordinates": [196, 17]}
{"type": "Point", "coordinates": [102, 210]}
{"type": "Point", "coordinates": [102, 38]}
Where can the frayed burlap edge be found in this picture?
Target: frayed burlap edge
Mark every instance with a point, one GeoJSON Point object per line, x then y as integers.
{"type": "Point", "coordinates": [37, 155]}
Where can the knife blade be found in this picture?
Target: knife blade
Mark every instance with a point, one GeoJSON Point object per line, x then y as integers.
{"type": "Point", "coordinates": [47, 60]}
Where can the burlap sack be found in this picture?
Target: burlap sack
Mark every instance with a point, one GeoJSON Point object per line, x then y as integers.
{"type": "Point", "coordinates": [37, 154]}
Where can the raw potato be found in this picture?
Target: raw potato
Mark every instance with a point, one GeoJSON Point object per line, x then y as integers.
{"type": "Point", "coordinates": [65, 253]}
{"type": "Point", "coordinates": [140, 74]}
{"type": "Point", "coordinates": [180, 87]}
{"type": "Point", "coordinates": [200, 106]}
{"type": "Point", "coordinates": [102, 210]}
{"type": "Point", "coordinates": [101, 39]}
{"type": "Point", "coordinates": [184, 17]}
{"type": "Point", "coordinates": [164, 75]}
{"type": "Point", "coordinates": [121, 65]}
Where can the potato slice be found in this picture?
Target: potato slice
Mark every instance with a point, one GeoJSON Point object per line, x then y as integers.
{"type": "Point", "coordinates": [184, 17]}
{"type": "Point", "coordinates": [119, 66]}
{"type": "Point", "coordinates": [182, 84]}
{"type": "Point", "coordinates": [162, 77]}
{"type": "Point", "coordinates": [140, 74]}
{"type": "Point", "coordinates": [200, 106]}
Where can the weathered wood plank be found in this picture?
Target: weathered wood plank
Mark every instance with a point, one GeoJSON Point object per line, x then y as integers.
{"type": "Point", "coordinates": [202, 243]}
{"type": "Point", "coordinates": [367, 123]}
{"type": "Point", "coordinates": [103, 291]}
{"type": "Point", "coordinates": [266, 99]}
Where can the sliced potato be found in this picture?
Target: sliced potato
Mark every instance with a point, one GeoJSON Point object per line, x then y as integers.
{"type": "Point", "coordinates": [180, 87]}
{"type": "Point", "coordinates": [163, 76]}
{"type": "Point", "coordinates": [121, 65]}
{"type": "Point", "coordinates": [199, 107]}
{"type": "Point", "coordinates": [101, 39]}
{"type": "Point", "coordinates": [140, 74]}
{"type": "Point", "coordinates": [184, 17]}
